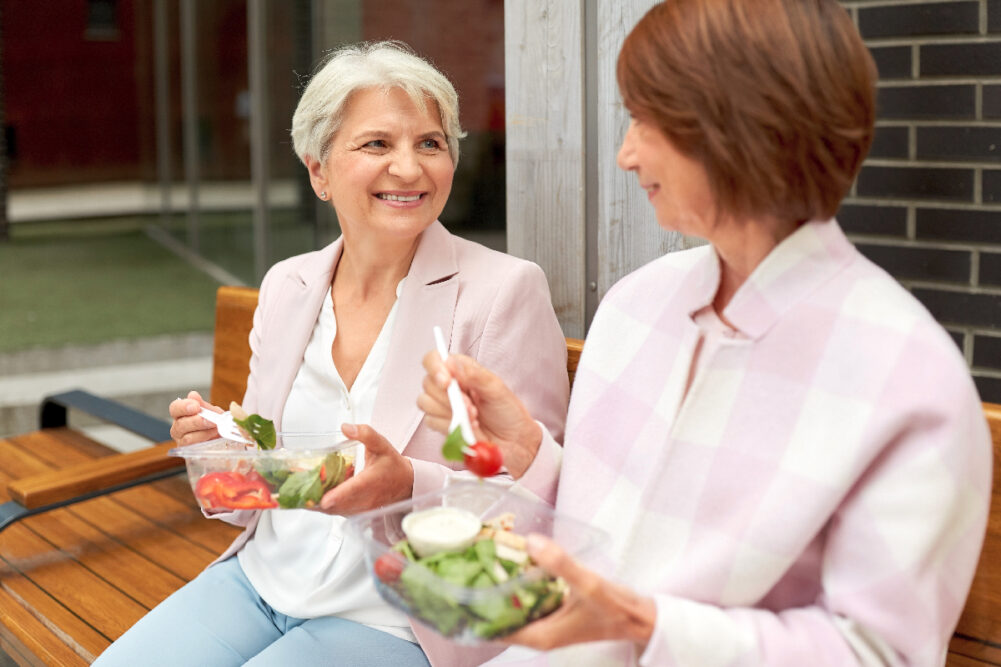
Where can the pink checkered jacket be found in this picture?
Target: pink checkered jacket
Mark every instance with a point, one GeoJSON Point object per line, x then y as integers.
{"type": "Point", "coordinates": [821, 493]}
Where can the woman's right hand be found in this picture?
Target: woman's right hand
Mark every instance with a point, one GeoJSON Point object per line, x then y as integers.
{"type": "Point", "coordinates": [495, 412]}
{"type": "Point", "coordinates": [188, 427]}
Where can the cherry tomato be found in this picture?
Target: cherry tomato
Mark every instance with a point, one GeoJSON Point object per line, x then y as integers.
{"type": "Point", "coordinates": [485, 460]}
{"type": "Point", "coordinates": [389, 567]}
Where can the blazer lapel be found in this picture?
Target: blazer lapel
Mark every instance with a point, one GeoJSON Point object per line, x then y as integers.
{"type": "Point", "coordinates": [302, 298]}
{"type": "Point", "coordinates": [428, 298]}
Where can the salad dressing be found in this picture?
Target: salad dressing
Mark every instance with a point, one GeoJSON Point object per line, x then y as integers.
{"type": "Point", "coordinates": [441, 529]}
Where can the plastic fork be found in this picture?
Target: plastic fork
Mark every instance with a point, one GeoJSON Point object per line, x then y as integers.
{"type": "Point", "coordinates": [225, 425]}
{"type": "Point", "coordinates": [460, 417]}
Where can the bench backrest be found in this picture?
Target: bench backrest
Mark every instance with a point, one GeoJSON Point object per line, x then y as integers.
{"type": "Point", "coordinates": [979, 631]}
{"type": "Point", "coordinates": [234, 318]}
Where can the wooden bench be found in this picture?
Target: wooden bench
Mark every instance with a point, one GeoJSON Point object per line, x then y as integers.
{"type": "Point", "coordinates": [74, 578]}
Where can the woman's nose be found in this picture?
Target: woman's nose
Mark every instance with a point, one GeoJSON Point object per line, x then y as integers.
{"type": "Point", "coordinates": [405, 165]}
{"type": "Point", "coordinates": [626, 157]}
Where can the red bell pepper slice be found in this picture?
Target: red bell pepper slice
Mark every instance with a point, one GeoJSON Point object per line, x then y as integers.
{"type": "Point", "coordinates": [232, 490]}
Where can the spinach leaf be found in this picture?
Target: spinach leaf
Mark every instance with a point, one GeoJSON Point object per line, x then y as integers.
{"type": "Point", "coordinates": [451, 450]}
{"type": "Point", "coordinates": [273, 471]}
{"type": "Point", "coordinates": [260, 429]}
{"type": "Point", "coordinates": [301, 489]}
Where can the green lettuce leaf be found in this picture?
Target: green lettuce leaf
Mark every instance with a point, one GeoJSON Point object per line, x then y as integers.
{"type": "Point", "coordinates": [260, 429]}
{"type": "Point", "coordinates": [301, 488]}
{"type": "Point", "coordinates": [454, 444]}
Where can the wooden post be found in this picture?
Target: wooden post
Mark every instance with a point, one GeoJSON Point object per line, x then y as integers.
{"type": "Point", "coordinates": [569, 207]}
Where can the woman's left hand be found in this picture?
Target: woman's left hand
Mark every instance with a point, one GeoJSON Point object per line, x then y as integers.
{"type": "Point", "coordinates": [386, 478]}
{"type": "Point", "coordinates": [593, 609]}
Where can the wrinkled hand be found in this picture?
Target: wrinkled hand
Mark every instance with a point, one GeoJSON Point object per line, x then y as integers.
{"type": "Point", "coordinates": [593, 609]}
{"type": "Point", "coordinates": [188, 428]}
{"type": "Point", "coordinates": [495, 412]}
{"type": "Point", "coordinates": [386, 478]}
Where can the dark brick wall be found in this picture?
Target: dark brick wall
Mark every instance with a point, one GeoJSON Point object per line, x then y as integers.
{"type": "Point", "coordinates": [927, 203]}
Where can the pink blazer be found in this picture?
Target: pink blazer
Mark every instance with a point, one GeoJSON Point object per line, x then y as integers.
{"type": "Point", "coordinates": [493, 307]}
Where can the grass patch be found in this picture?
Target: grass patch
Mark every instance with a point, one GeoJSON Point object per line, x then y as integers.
{"type": "Point", "coordinates": [80, 282]}
{"type": "Point", "coordinates": [84, 283]}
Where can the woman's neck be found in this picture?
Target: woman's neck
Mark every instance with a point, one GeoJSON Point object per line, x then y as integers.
{"type": "Point", "coordinates": [741, 246]}
{"type": "Point", "coordinates": [365, 269]}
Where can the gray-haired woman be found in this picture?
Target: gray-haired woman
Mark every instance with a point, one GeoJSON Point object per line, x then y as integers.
{"type": "Point", "coordinates": [337, 344]}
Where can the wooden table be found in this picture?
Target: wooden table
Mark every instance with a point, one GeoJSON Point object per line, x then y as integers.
{"type": "Point", "coordinates": [73, 579]}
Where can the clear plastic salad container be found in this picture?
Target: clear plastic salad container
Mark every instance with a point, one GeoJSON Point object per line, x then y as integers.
{"type": "Point", "coordinates": [229, 475]}
{"type": "Point", "coordinates": [473, 593]}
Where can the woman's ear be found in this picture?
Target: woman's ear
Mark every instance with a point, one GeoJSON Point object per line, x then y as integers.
{"type": "Point", "coordinates": [317, 175]}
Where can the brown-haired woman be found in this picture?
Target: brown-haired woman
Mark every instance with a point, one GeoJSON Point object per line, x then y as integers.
{"type": "Point", "coordinates": [786, 450]}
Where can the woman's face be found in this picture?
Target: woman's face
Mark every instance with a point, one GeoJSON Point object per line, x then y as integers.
{"type": "Point", "coordinates": [388, 172]}
{"type": "Point", "coordinates": [676, 185]}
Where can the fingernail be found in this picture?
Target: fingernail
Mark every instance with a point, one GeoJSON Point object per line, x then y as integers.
{"type": "Point", "coordinates": [349, 430]}
{"type": "Point", "coordinates": [441, 377]}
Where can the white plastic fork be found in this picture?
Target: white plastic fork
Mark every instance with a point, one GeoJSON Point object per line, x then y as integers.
{"type": "Point", "coordinates": [460, 417]}
{"type": "Point", "coordinates": [225, 425]}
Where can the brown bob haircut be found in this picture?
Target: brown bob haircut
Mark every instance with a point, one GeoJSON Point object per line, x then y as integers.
{"type": "Point", "coordinates": [774, 98]}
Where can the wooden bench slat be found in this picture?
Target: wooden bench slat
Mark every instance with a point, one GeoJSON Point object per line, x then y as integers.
{"type": "Point", "coordinates": [60, 485]}
{"type": "Point", "coordinates": [126, 557]}
{"type": "Point", "coordinates": [60, 447]}
{"type": "Point", "coordinates": [172, 545]}
{"type": "Point", "coordinates": [234, 318]}
{"type": "Point", "coordinates": [981, 618]}
{"type": "Point", "coordinates": [61, 584]}
{"type": "Point", "coordinates": [181, 516]}
{"type": "Point", "coordinates": [974, 649]}
{"type": "Point", "coordinates": [126, 567]}
{"type": "Point", "coordinates": [32, 642]}
{"type": "Point", "coordinates": [91, 570]}
{"type": "Point", "coordinates": [957, 660]}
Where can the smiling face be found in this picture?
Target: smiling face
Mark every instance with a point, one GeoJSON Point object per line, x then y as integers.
{"type": "Point", "coordinates": [676, 185]}
{"type": "Point", "coordinates": [388, 171]}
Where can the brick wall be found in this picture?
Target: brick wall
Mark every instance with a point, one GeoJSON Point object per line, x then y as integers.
{"type": "Point", "coordinates": [927, 203]}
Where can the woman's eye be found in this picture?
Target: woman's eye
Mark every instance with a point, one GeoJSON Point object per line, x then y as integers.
{"type": "Point", "coordinates": [376, 143]}
{"type": "Point", "coordinates": [430, 144]}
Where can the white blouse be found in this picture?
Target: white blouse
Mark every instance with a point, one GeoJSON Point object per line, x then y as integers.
{"type": "Point", "coordinates": [299, 560]}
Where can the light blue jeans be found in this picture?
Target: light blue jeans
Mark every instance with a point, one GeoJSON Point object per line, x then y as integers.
{"type": "Point", "coordinates": [219, 619]}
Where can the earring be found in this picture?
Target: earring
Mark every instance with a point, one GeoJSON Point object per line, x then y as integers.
{"type": "Point", "coordinates": [323, 195]}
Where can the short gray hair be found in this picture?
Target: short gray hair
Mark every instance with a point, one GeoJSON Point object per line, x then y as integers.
{"type": "Point", "coordinates": [347, 70]}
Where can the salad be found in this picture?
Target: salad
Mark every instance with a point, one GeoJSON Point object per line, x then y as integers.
{"type": "Point", "coordinates": [289, 479]}
{"type": "Point", "coordinates": [273, 482]}
{"type": "Point", "coordinates": [492, 587]}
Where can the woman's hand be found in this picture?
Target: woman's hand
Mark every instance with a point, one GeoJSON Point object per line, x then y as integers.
{"type": "Point", "coordinates": [386, 478]}
{"type": "Point", "coordinates": [593, 609]}
{"type": "Point", "coordinates": [495, 412]}
{"type": "Point", "coordinates": [189, 428]}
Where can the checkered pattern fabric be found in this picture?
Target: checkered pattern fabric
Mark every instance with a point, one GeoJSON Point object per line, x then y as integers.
{"type": "Point", "coordinates": [820, 494]}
